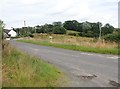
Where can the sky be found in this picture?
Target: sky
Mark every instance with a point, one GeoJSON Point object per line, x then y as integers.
{"type": "Point", "coordinates": [39, 12]}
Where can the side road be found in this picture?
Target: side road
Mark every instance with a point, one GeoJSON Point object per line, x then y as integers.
{"type": "Point", "coordinates": [82, 69]}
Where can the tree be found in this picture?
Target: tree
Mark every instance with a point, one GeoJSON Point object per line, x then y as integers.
{"type": "Point", "coordinates": [87, 29]}
{"type": "Point", "coordinates": [79, 27]}
{"type": "Point", "coordinates": [96, 29]}
{"type": "Point", "coordinates": [24, 31]}
{"type": "Point", "coordinates": [86, 26]}
{"type": "Point", "coordinates": [112, 37]}
{"type": "Point", "coordinates": [18, 30]}
{"type": "Point", "coordinates": [31, 30]}
{"type": "Point", "coordinates": [48, 28]}
{"type": "Point", "coordinates": [71, 25]}
{"type": "Point", "coordinates": [39, 29]}
{"type": "Point", "coordinates": [57, 24]}
{"type": "Point", "coordinates": [59, 30]}
{"type": "Point", "coordinates": [107, 29]}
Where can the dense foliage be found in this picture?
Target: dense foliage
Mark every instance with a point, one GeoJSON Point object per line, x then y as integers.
{"type": "Point", "coordinates": [115, 36]}
{"type": "Point", "coordinates": [59, 30]}
{"type": "Point", "coordinates": [84, 29]}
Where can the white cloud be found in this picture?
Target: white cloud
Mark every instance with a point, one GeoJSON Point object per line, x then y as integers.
{"type": "Point", "coordinates": [47, 11]}
{"type": "Point", "coordinates": [31, 1]}
{"type": "Point", "coordinates": [63, 4]}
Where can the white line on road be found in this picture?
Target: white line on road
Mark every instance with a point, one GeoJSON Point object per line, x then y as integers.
{"type": "Point", "coordinates": [113, 57]}
{"type": "Point", "coordinates": [90, 54]}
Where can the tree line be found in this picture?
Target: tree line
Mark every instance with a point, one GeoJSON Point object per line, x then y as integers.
{"type": "Point", "coordinates": [84, 29]}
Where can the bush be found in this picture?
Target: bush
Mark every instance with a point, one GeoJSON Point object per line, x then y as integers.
{"type": "Point", "coordinates": [72, 34]}
{"type": "Point", "coordinates": [31, 35]}
{"type": "Point", "coordinates": [59, 30]}
{"type": "Point", "coordinates": [112, 37]}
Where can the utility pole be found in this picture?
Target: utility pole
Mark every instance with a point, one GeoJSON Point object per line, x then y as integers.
{"type": "Point", "coordinates": [25, 27]}
{"type": "Point", "coordinates": [24, 23]}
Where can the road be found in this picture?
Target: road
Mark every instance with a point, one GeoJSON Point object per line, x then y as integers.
{"type": "Point", "coordinates": [80, 67]}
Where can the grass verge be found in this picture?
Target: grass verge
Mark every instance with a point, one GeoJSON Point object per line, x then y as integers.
{"type": "Point", "coordinates": [22, 70]}
{"type": "Point", "coordinates": [75, 47]}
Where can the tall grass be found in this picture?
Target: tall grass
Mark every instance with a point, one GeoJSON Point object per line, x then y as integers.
{"type": "Point", "coordinates": [75, 47]}
{"type": "Point", "coordinates": [75, 43]}
{"type": "Point", "coordinates": [22, 70]}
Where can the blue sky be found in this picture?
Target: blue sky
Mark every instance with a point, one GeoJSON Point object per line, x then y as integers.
{"type": "Point", "coordinates": [35, 12]}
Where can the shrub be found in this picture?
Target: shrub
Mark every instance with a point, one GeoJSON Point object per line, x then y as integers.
{"type": "Point", "coordinates": [31, 35]}
{"type": "Point", "coordinates": [72, 34]}
{"type": "Point", "coordinates": [59, 30]}
{"type": "Point", "coordinates": [112, 37]}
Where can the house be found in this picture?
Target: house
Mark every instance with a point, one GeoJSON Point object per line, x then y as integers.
{"type": "Point", "coordinates": [12, 33]}
{"type": "Point", "coordinates": [9, 33]}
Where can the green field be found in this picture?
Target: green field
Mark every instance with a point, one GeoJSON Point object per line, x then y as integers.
{"type": "Point", "coordinates": [22, 70]}
{"type": "Point", "coordinates": [74, 47]}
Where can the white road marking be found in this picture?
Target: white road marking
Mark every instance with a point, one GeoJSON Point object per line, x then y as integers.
{"type": "Point", "coordinates": [90, 54]}
{"type": "Point", "coordinates": [36, 49]}
{"type": "Point", "coordinates": [86, 53]}
{"type": "Point", "coordinates": [113, 57]}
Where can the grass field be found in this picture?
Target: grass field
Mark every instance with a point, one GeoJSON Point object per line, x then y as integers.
{"type": "Point", "coordinates": [74, 43]}
{"type": "Point", "coordinates": [22, 70]}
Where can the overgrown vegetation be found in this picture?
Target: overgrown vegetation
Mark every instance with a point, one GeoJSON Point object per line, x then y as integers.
{"type": "Point", "coordinates": [73, 33]}
{"type": "Point", "coordinates": [87, 29]}
{"type": "Point", "coordinates": [22, 70]}
{"type": "Point", "coordinates": [59, 30]}
{"type": "Point", "coordinates": [83, 29]}
{"type": "Point", "coordinates": [75, 43]}
{"type": "Point", "coordinates": [113, 37]}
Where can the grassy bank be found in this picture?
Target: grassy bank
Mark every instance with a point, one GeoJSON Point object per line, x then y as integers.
{"type": "Point", "coordinates": [22, 70]}
{"type": "Point", "coordinates": [74, 47]}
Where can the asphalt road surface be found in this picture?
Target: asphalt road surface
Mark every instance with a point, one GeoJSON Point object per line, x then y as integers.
{"type": "Point", "coordinates": [83, 69]}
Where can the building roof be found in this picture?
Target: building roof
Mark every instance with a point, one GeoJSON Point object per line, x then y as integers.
{"type": "Point", "coordinates": [6, 31]}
